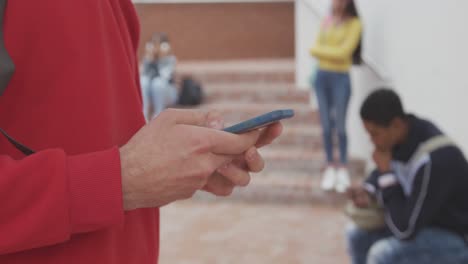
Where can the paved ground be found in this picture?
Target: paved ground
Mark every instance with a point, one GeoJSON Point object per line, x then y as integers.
{"type": "Point", "coordinates": [233, 232]}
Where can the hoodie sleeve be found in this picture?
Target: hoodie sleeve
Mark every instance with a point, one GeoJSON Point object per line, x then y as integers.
{"type": "Point", "coordinates": [49, 196]}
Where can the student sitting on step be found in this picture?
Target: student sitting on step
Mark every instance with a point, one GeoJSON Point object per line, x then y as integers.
{"type": "Point", "coordinates": [157, 77]}
{"type": "Point", "coordinates": [420, 184]}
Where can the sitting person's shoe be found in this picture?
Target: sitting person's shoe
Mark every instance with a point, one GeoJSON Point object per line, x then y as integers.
{"type": "Point", "coordinates": [328, 179]}
{"type": "Point", "coordinates": [342, 180]}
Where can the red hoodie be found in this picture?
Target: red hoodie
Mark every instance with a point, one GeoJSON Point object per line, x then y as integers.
{"type": "Point", "coordinates": [74, 98]}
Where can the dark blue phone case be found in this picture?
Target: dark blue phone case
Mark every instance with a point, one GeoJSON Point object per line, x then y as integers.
{"type": "Point", "coordinates": [260, 121]}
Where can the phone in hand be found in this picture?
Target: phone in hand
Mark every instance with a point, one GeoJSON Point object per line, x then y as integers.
{"type": "Point", "coordinates": [260, 121]}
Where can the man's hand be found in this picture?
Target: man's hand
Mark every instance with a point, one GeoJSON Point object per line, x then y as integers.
{"type": "Point", "coordinates": [174, 156]}
{"type": "Point", "coordinates": [237, 173]}
{"type": "Point", "coordinates": [382, 160]}
{"type": "Point", "coordinates": [359, 196]}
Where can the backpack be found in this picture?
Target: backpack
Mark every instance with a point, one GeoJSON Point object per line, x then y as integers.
{"type": "Point", "coordinates": [191, 92]}
{"type": "Point", "coordinates": [357, 54]}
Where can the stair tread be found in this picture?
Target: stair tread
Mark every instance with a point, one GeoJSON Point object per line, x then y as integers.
{"type": "Point", "coordinates": [301, 128]}
{"type": "Point", "coordinates": [242, 89]}
{"type": "Point", "coordinates": [237, 66]}
{"type": "Point", "coordinates": [297, 153]}
{"type": "Point", "coordinates": [253, 87]}
{"type": "Point", "coordinates": [276, 187]}
{"type": "Point", "coordinates": [257, 106]}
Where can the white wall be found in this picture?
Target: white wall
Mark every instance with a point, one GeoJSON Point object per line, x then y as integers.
{"type": "Point", "coordinates": [307, 15]}
{"type": "Point", "coordinates": [421, 48]}
{"type": "Point", "coordinates": [426, 53]}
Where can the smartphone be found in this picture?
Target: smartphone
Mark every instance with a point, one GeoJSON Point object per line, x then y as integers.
{"type": "Point", "coordinates": [260, 121]}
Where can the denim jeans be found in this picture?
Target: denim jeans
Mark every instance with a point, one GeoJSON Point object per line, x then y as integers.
{"type": "Point", "coordinates": [431, 245]}
{"type": "Point", "coordinates": [333, 91]}
{"type": "Point", "coordinates": [157, 94]}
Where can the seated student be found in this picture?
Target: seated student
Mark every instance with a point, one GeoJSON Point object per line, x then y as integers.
{"type": "Point", "coordinates": [148, 71]}
{"type": "Point", "coordinates": [157, 79]}
{"type": "Point", "coordinates": [423, 193]}
{"type": "Point", "coordinates": [166, 91]}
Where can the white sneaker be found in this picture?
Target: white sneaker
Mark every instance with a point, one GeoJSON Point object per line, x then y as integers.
{"type": "Point", "coordinates": [342, 180]}
{"type": "Point", "coordinates": [328, 179]}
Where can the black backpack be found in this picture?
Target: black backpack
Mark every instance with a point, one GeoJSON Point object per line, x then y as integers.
{"type": "Point", "coordinates": [191, 92]}
{"type": "Point", "coordinates": [357, 54]}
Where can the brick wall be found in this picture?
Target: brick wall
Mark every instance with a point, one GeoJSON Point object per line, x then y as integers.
{"type": "Point", "coordinates": [216, 31]}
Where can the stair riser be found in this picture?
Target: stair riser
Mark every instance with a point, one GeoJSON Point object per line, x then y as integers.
{"type": "Point", "coordinates": [232, 116]}
{"type": "Point", "coordinates": [312, 166]}
{"type": "Point", "coordinates": [253, 97]}
{"type": "Point", "coordinates": [309, 141]}
{"type": "Point", "coordinates": [240, 93]}
{"type": "Point", "coordinates": [277, 195]}
{"type": "Point", "coordinates": [270, 77]}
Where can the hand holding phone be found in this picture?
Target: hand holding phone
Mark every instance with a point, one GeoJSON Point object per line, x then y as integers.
{"type": "Point", "coordinates": [260, 121]}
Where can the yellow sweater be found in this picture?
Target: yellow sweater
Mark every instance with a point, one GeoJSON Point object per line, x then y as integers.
{"type": "Point", "coordinates": [335, 45]}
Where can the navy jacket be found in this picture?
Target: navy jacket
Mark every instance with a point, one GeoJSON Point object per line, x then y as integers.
{"type": "Point", "coordinates": [429, 192]}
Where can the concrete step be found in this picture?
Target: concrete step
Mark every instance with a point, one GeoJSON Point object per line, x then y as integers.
{"type": "Point", "coordinates": [235, 112]}
{"type": "Point", "coordinates": [240, 90]}
{"type": "Point", "coordinates": [302, 159]}
{"type": "Point", "coordinates": [255, 93]}
{"type": "Point", "coordinates": [259, 71]}
{"type": "Point", "coordinates": [283, 186]}
{"type": "Point", "coordinates": [309, 136]}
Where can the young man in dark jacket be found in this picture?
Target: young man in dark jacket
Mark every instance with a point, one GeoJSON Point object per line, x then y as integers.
{"type": "Point", "coordinates": [424, 194]}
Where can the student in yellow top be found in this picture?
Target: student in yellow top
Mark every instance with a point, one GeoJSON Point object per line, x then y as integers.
{"type": "Point", "coordinates": [337, 47]}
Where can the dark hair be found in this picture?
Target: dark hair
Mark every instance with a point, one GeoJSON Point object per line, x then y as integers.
{"type": "Point", "coordinates": [351, 11]}
{"type": "Point", "coordinates": [381, 107]}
